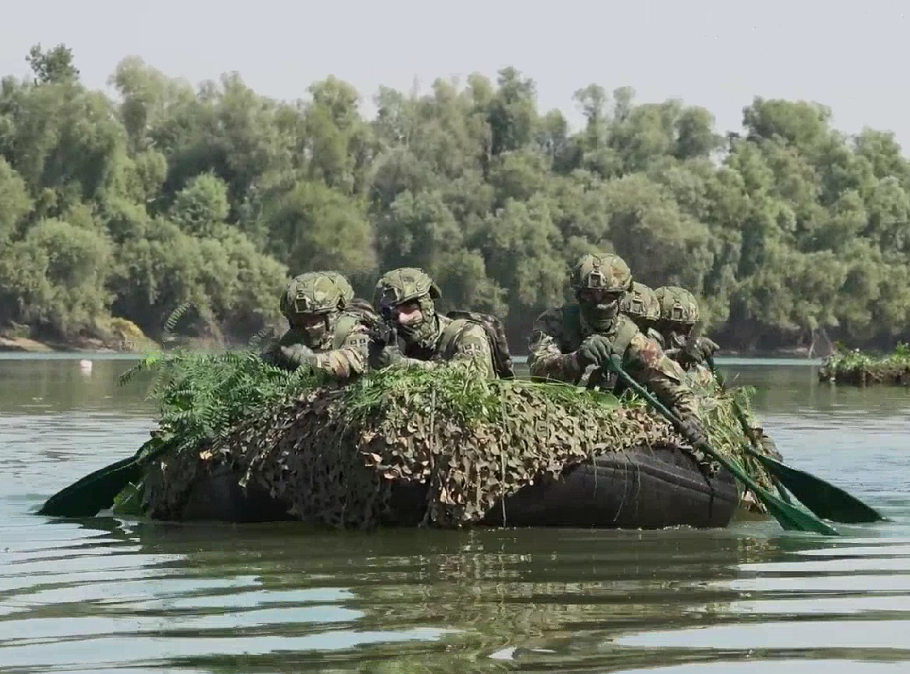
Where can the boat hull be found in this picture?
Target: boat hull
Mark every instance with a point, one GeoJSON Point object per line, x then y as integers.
{"type": "Point", "coordinates": [647, 488]}
{"type": "Point", "coordinates": [644, 489]}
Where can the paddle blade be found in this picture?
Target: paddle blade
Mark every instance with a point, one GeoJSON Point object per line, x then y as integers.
{"type": "Point", "coordinates": [97, 490]}
{"type": "Point", "coordinates": [819, 496]}
{"type": "Point", "coordinates": [94, 492]}
{"type": "Point", "coordinates": [790, 517]}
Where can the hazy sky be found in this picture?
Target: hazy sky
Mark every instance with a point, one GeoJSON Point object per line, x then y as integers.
{"type": "Point", "coordinates": [851, 56]}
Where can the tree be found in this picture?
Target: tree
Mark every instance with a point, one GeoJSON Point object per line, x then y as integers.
{"type": "Point", "coordinates": [213, 194]}
{"type": "Point", "coordinates": [54, 66]}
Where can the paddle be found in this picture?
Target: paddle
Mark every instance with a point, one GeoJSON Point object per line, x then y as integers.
{"type": "Point", "coordinates": [790, 517]}
{"type": "Point", "coordinates": [97, 490]}
{"type": "Point", "coordinates": [748, 430]}
{"type": "Point", "coordinates": [821, 497]}
{"type": "Point", "coordinates": [691, 341]}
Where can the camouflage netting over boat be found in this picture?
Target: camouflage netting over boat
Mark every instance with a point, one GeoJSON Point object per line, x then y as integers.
{"type": "Point", "coordinates": [331, 453]}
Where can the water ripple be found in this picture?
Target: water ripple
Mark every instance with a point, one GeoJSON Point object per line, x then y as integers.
{"type": "Point", "coordinates": [108, 595]}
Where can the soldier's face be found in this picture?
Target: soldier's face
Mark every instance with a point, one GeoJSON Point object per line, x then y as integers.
{"type": "Point", "coordinates": [681, 331]}
{"type": "Point", "coordinates": [602, 302]}
{"type": "Point", "coordinates": [314, 326]}
{"type": "Point", "coordinates": [415, 320]}
{"type": "Point", "coordinates": [408, 313]}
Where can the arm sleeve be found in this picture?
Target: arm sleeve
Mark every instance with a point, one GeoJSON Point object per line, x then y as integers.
{"type": "Point", "coordinates": [645, 361]}
{"type": "Point", "coordinates": [545, 359]}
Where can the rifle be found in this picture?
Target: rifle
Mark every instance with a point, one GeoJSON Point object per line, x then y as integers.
{"type": "Point", "coordinates": [382, 334]}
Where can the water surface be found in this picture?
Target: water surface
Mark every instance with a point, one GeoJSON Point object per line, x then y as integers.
{"type": "Point", "coordinates": [105, 594]}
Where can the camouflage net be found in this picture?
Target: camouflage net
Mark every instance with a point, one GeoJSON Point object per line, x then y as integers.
{"type": "Point", "coordinates": [331, 454]}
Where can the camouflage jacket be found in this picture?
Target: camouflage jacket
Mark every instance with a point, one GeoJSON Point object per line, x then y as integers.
{"type": "Point", "coordinates": [458, 343]}
{"type": "Point", "coordinates": [673, 348]}
{"type": "Point", "coordinates": [557, 334]}
{"type": "Point", "coordinates": [651, 333]}
{"type": "Point", "coordinates": [345, 357]}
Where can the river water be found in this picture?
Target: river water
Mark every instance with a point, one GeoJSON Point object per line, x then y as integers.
{"type": "Point", "coordinates": [105, 594]}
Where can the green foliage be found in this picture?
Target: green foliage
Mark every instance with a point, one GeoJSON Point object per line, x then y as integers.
{"type": "Point", "coordinates": [466, 400]}
{"type": "Point", "coordinates": [14, 201]}
{"type": "Point", "coordinates": [201, 207]}
{"type": "Point", "coordinates": [858, 368]}
{"type": "Point", "coordinates": [200, 396]}
{"type": "Point", "coordinates": [214, 195]}
{"type": "Point", "coordinates": [52, 66]}
{"type": "Point", "coordinates": [57, 273]}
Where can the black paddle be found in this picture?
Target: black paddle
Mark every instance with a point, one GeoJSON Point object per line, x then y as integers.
{"type": "Point", "coordinates": [97, 490]}
{"type": "Point", "coordinates": [821, 497]}
{"type": "Point", "coordinates": [789, 516]}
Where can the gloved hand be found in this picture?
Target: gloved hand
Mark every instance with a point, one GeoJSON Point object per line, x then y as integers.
{"type": "Point", "coordinates": [700, 350]}
{"type": "Point", "coordinates": [382, 355]}
{"type": "Point", "coordinates": [595, 350]}
{"type": "Point", "coordinates": [693, 432]}
{"type": "Point", "coordinates": [382, 333]}
{"type": "Point", "coordinates": [296, 355]}
{"type": "Point", "coordinates": [695, 435]}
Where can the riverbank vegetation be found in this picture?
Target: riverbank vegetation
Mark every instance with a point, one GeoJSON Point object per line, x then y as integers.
{"type": "Point", "coordinates": [855, 367]}
{"type": "Point", "coordinates": [128, 206]}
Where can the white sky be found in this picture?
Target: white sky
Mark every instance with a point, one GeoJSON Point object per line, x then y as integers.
{"type": "Point", "coordinates": [851, 56]}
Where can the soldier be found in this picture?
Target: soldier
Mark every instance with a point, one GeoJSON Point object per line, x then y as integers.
{"type": "Point", "coordinates": [678, 316]}
{"type": "Point", "coordinates": [641, 305]}
{"type": "Point", "coordinates": [328, 328]}
{"type": "Point", "coordinates": [572, 343]}
{"type": "Point", "coordinates": [405, 298]}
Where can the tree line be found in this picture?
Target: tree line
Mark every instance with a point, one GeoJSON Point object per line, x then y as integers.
{"type": "Point", "coordinates": [130, 206]}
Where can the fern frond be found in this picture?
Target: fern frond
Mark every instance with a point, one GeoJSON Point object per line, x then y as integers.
{"type": "Point", "coordinates": [174, 318]}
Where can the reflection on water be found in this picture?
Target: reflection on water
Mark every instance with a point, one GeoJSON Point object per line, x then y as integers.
{"type": "Point", "coordinates": [103, 594]}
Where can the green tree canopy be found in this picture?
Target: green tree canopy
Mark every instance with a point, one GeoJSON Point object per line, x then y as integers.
{"type": "Point", "coordinates": [215, 194]}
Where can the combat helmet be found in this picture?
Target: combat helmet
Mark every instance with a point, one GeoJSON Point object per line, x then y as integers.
{"type": "Point", "coordinates": [409, 284]}
{"type": "Point", "coordinates": [677, 306]}
{"type": "Point", "coordinates": [600, 281]}
{"type": "Point", "coordinates": [604, 271]}
{"type": "Point", "coordinates": [316, 293]}
{"type": "Point", "coordinates": [641, 305]}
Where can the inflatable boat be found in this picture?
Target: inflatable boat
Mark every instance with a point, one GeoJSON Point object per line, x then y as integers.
{"type": "Point", "coordinates": [645, 488]}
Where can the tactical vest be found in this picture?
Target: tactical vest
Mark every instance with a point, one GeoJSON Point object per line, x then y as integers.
{"type": "Point", "coordinates": [502, 358]}
{"type": "Point", "coordinates": [621, 333]}
{"type": "Point", "coordinates": [356, 313]}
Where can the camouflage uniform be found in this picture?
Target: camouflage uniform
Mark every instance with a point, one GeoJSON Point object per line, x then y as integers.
{"type": "Point", "coordinates": [563, 339]}
{"type": "Point", "coordinates": [436, 340]}
{"type": "Point", "coordinates": [338, 343]}
{"type": "Point", "coordinates": [678, 316]}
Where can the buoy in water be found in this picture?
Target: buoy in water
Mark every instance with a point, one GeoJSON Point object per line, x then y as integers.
{"type": "Point", "coordinates": [85, 366]}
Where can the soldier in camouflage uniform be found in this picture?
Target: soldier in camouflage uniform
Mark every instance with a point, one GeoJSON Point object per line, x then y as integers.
{"type": "Point", "coordinates": [572, 343]}
{"type": "Point", "coordinates": [678, 316]}
{"type": "Point", "coordinates": [641, 305]}
{"type": "Point", "coordinates": [405, 298]}
{"type": "Point", "coordinates": [324, 332]}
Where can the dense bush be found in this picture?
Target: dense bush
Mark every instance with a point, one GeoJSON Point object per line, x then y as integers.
{"type": "Point", "coordinates": [215, 195]}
